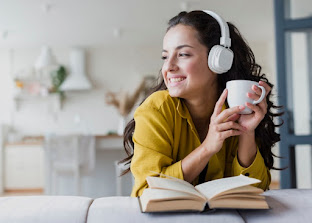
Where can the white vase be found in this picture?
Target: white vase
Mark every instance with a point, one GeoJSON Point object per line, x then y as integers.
{"type": "Point", "coordinates": [121, 125]}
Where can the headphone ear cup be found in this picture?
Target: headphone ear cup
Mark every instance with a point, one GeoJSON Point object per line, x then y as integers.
{"type": "Point", "coordinates": [220, 59]}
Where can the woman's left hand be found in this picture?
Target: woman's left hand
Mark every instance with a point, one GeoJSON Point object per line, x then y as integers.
{"type": "Point", "coordinates": [251, 121]}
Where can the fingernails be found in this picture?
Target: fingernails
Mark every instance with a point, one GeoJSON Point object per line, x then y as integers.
{"type": "Point", "coordinates": [241, 107]}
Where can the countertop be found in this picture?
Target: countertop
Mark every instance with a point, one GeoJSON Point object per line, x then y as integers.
{"type": "Point", "coordinates": [102, 141]}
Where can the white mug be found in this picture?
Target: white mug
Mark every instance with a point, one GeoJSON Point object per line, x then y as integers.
{"type": "Point", "coordinates": [237, 94]}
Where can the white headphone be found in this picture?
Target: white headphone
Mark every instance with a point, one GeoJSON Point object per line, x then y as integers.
{"type": "Point", "coordinates": [220, 57]}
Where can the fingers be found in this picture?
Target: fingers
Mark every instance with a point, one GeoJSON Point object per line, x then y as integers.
{"type": "Point", "coordinates": [225, 114]}
{"type": "Point", "coordinates": [230, 126]}
{"type": "Point", "coordinates": [266, 86]}
{"type": "Point", "coordinates": [255, 108]}
{"type": "Point", "coordinates": [225, 130]}
{"type": "Point", "coordinates": [263, 104]}
{"type": "Point", "coordinates": [220, 102]}
{"type": "Point", "coordinates": [254, 97]}
{"type": "Point", "coordinates": [257, 90]}
{"type": "Point", "coordinates": [229, 133]}
{"type": "Point", "coordinates": [233, 117]}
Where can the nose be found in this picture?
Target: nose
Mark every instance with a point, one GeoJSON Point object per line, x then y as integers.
{"type": "Point", "coordinates": [170, 65]}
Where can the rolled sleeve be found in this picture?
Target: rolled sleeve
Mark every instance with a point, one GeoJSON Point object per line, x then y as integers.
{"type": "Point", "coordinates": [174, 170]}
{"type": "Point", "coordinates": [256, 170]}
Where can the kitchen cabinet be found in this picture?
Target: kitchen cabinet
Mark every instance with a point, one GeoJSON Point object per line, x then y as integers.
{"type": "Point", "coordinates": [23, 166]}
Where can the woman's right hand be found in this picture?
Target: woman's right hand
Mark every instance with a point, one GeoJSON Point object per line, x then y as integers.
{"type": "Point", "coordinates": [222, 125]}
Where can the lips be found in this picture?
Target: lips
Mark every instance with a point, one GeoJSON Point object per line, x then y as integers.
{"type": "Point", "coordinates": [176, 79]}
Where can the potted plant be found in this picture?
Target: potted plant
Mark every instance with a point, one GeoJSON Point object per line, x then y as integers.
{"type": "Point", "coordinates": [57, 78]}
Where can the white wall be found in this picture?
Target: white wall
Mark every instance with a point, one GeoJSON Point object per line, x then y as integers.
{"type": "Point", "coordinates": [5, 87]}
{"type": "Point", "coordinates": [109, 69]}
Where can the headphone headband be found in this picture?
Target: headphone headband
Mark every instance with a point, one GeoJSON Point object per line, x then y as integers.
{"type": "Point", "coordinates": [225, 39]}
{"type": "Point", "coordinates": [220, 58]}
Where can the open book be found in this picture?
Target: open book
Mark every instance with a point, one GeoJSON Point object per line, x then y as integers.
{"type": "Point", "coordinates": [172, 194]}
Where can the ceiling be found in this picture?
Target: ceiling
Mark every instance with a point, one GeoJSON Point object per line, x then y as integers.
{"type": "Point", "coordinates": [33, 23]}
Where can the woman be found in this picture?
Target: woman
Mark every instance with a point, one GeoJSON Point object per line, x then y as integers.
{"type": "Point", "coordinates": [185, 129]}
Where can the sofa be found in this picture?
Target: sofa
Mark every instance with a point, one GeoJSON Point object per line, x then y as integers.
{"type": "Point", "coordinates": [289, 205]}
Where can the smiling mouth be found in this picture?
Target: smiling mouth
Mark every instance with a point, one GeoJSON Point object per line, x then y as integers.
{"type": "Point", "coordinates": [176, 80]}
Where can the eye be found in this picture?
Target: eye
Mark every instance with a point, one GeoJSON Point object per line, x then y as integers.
{"type": "Point", "coordinates": [163, 57]}
{"type": "Point", "coordinates": [184, 55]}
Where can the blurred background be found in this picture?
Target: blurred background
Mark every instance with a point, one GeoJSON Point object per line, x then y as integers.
{"type": "Point", "coordinates": [72, 73]}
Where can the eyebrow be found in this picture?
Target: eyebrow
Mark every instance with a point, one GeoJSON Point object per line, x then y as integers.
{"type": "Point", "coordinates": [180, 47]}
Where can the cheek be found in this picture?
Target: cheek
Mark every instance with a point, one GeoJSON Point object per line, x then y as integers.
{"type": "Point", "coordinates": [191, 67]}
{"type": "Point", "coordinates": [163, 73]}
{"type": "Point", "coordinates": [197, 69]}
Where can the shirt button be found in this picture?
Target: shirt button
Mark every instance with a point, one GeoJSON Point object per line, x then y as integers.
{"type": "Point", "coordinates": [247, 174]}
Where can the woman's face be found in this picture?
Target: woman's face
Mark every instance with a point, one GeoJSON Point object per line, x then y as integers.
{"type": "Point", "coordinates": [185, 69]}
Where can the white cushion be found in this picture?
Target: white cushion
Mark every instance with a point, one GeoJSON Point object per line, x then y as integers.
{"type": "Point", "coordinates": [291, 205]}
{"type": "Point", "coordinates": [126, 209]}
{"type": "Point", "coordinates": [44, 209]}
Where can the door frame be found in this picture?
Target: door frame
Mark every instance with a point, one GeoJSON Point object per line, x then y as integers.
{"type": "Point", "coordinates": [288, 141]}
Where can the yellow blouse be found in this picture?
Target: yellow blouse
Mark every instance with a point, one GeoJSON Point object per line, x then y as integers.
{"type": "Point", "coordinates": [165, 134]}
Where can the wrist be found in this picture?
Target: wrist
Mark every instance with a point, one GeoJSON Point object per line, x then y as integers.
{"type": "Point", "coordinates": [206, 151]}
{"type": "Point", "coordinates": [249, 134]}
{"type": "Point", "coordinates": [247, 142]}
{"type": "Point", "coordinates": [247, 148]}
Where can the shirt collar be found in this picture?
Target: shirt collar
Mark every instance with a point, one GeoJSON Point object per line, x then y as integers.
{"type": "Point", "coordinates": [182, 109]}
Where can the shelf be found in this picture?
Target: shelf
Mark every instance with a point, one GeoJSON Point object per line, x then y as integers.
{"type": "Point", "coordinates": [54, 98]}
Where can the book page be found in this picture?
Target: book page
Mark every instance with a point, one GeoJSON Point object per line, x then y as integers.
{"type": "Point", "coordinates": [215, 187]}
{"type": "Point", "coordinates": [160, 194]}
{"type": "Point", "coordinates": [155, 200]}
{"type": "Point", "coordinates": [239, 203]}
{"type": "Point", "coordinates": [172, 184]}
{"type": "Point", "coordinates": [243, 189]}
{"type": "Point", "coordinates": [237, 196]}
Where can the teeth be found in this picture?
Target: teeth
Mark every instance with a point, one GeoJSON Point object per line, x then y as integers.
{"type": "Point", "coordinates": [176, 79]}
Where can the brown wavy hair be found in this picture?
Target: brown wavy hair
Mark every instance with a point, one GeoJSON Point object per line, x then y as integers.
{"type": "Point", "coordinates": [244, 67]}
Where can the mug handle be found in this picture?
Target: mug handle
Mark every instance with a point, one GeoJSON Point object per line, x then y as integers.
{"type": "Point", "coordinates": [261, 97]}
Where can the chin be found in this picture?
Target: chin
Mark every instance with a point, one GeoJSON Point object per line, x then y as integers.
{"type": "Point", "coordinates": [175, 93]}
